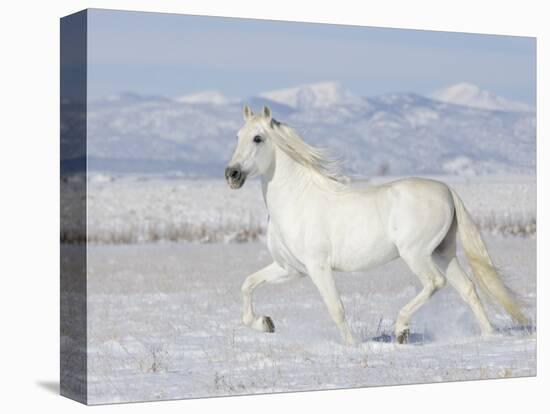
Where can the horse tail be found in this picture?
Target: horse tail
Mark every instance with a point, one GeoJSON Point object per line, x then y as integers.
{"type": "Point", "coordinates": [482, 266]}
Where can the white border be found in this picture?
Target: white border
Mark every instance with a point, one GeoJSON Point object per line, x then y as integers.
{"type": "Point", "coordinates": [29, 154]}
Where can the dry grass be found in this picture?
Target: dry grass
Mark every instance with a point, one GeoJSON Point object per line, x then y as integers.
{"type": "Point", "coordinates": [134, 232]}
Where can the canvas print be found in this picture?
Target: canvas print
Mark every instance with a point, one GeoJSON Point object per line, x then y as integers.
{"type": "Point", "coordinates": [255, 206]}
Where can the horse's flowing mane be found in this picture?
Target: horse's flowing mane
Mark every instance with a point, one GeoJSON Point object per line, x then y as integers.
{"type": "Point", "coordinates": [315, 159]}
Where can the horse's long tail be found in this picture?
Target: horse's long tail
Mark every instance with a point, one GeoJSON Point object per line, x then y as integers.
{"type": "Point", "coordinates": [482, 266]}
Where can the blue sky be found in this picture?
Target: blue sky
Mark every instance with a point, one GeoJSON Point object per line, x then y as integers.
{"type": "Point", "coordinates": [173, 55]}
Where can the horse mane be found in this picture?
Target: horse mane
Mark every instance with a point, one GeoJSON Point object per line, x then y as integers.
{"type": "Point", "coordinates": [315, 159]}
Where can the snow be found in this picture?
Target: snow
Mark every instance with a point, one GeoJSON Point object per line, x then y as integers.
{"type": "Point", "coordinates": [164, 299]}
{"type": "Point", "coordinates": [164, 323]}
{"type": "Point", "coordinates": [205, 97]}
{"type": "Point", "coordinates": [315, 95]}
{"type": "Point", "coordinates": [468, 94]}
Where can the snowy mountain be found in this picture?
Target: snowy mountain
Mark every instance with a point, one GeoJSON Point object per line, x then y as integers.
{"type": "Point", "coordinates": [468, 94]}
{"type": "Point", "coordinates": [316, 95]}
{"type": "Point", "coordinates": [130, 97]}
{"type": "Point", "coordinates": [206, 97]}
{"type": "Point", "coordinates": [400, 133]}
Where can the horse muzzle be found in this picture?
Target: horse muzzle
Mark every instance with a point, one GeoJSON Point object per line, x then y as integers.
{"type": "Point", "coordinates": [235, 177]}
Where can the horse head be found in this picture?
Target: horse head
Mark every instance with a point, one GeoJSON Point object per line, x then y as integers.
{"type": "Point", "coordinates": [254, 153]}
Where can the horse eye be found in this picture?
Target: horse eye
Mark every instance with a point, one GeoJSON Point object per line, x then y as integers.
{"type": "Point", "coordinates": [257, 139]}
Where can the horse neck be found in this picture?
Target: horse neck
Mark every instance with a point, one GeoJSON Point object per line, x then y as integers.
{"type": "Point", "coordinates": [285, 181]}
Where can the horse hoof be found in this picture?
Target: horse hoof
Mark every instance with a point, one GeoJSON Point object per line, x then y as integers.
{"type": "Point", "coordinates": [263, 324]}
{"type": "Point", "coordinates": [403, 336]}
{"type": "Point", "coordinates": [267, 324]}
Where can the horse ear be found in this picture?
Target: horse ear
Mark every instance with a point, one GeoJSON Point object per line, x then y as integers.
{"type": "Point", "coordinates": [247, 113]}
{"type": "Point", "coordinates": [266, 113]}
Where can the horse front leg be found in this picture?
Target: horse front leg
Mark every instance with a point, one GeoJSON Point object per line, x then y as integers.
{"type": "Point", "coordinates": [321, 275]}
{"type": "Point", "coordinates": [270, 274]}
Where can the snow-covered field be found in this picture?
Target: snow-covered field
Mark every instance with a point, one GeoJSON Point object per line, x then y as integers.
{"type": "Point", "coordinates": [125, 209]}
{"type": "Point", "coordinates": [164, 322]}
{"type": "Point", "coordinates": [164, 297]}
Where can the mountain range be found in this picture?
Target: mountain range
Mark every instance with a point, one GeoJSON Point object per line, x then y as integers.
{"type": "Point", "coordinates": [472, 95]}
{"type": "Point", "coordinates": [461, 129]}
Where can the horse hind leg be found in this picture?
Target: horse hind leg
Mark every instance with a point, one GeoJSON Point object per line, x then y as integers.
{"type": "Point", "coordinates": [432, 280]}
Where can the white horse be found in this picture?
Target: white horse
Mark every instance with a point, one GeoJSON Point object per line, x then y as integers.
{"type": "Point", "coordinates": [318, 224]}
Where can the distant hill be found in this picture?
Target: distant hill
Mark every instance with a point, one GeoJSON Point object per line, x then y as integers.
{"type": "Point", "coordinates": [468, 94]}
{"type": "Point", "coordinates": [460, 130]}
{"type": "Point", "coordinates": [205, 97]}
{"type": "Point", "coordinates": [318, 95]}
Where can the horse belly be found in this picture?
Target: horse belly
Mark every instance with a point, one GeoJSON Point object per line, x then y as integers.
{"type": "Point", "coordinates": [362, 247]}
{"type": "Point", "coordinates": [363, 254]}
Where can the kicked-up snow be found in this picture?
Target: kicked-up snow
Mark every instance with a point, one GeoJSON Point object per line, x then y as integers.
{"type": "Point", "coordinates": [164, 322]}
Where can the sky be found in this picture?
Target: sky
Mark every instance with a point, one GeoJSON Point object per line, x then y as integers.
{"type": "Point", "coordinates": [173, 55]}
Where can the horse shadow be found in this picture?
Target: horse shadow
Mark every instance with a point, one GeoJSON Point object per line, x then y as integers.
{"type": "Point", "coordinates": [420, 338]}
{"type": "Point", "coordinates": [414, 338]}
{"type": "Point", "coordinates": [518, 330]}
